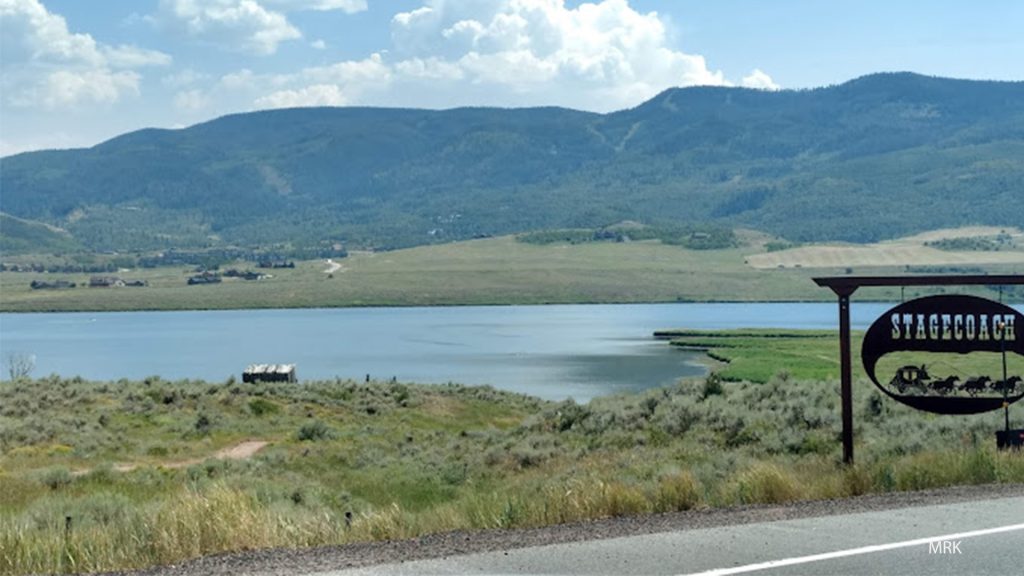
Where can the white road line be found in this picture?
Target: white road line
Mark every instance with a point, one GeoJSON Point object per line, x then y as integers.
{"type": "Point", "coordinates": [855, 551]}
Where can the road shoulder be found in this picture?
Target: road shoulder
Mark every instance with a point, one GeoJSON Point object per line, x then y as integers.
{"type": "Point", "coordinates": [282, 561]}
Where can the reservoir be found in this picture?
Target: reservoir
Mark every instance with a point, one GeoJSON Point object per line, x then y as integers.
{"type": "Point", "coordinates": [554, 352]}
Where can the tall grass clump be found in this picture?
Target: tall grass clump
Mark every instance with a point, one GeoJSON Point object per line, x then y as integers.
{"type": "Point", "coordinates": [766, 483]}
{"type": "Point", "coordinates": [678, 491]}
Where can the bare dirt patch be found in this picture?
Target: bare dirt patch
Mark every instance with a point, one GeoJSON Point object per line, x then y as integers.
{"type": "Point", "coordinates": [240, 451]}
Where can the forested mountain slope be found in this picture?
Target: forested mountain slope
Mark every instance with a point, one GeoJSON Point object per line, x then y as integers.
{"type": "Point", "coordinates": [877, 157]}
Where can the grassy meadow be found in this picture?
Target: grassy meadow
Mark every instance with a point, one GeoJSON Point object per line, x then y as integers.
{"type": "Point", "coordinates": [758, 355]}
{"type": "Point", "coordinates": [487, 271]}
{"type": "Point", "coordinates": [133, 464]}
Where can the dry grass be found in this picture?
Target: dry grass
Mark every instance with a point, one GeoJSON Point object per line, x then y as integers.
{"type": "Point", "coordinates": [430, 459]}
{"type": "Point", "coordinates": [909, 251]}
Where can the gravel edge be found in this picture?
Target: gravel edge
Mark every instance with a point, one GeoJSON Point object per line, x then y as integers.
{"type": "Point", "coordinates": [277, 562]}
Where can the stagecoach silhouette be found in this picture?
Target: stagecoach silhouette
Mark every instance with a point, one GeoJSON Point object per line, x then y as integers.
{"type": "Point", "coordinates": [913, 385]}
{"type": "Point", "coordinates": [910, 378]}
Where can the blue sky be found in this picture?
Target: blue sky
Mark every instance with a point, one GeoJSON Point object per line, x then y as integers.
{"type": "Point", "coordinates": [74, 73]}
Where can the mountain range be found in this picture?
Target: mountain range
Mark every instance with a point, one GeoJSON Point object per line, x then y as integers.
{"type": "Point", "coordinates": [876, 157]}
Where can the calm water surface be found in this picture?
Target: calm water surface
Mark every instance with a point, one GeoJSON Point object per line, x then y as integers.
{"type": "Point", "coordinates": [554, 352]}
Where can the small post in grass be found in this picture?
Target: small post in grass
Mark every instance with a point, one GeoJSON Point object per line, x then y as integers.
{"type": "Point", "coordinates": [66, 559]}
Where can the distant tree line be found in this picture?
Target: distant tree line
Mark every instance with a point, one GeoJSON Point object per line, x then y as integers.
{"type": "Point", "coordinates": [99, 268]}
{"type": "Point", "coordinates": [692, 236]}
{"type": "Point", "coordinates": [212, 259]}
{"type": "Point", "coordinates": [974, 244]}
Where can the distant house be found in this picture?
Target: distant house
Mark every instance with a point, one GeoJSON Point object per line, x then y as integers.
{"type": "Point", "coordinates": [244, 275]}
{"type": "Point", "coordinates": [276, 264]}
{"type": "Point", "coordinates": [105, 282]}
{"type": "Point", "coordinates": [269, 373]}
{"type": "Point", "coordinates": [250, 275]}
{"type": "Point", "coordinates": [55, 285]}
{"type": "Point", "coordinates": [204, 278]}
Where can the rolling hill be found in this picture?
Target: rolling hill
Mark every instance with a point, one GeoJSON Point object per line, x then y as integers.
{"type": "Point", "coordinates": [877, 157]}
{"type": "Point", "coordinates": [17, 236]}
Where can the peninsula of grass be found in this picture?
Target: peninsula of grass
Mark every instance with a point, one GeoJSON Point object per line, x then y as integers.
{"type": "Point", "coordinates": [760, 355]}
{"type": "Point", "coordinates": [115, 475]}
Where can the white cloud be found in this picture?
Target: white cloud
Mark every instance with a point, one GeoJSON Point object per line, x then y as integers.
{"type": "Point", "coordinates": [337, 84]}
{"type": "Point", "coordinates": [372, 70]}
{"type": "Point", "coordinates": [241, 80]}
{"type": "Point", "coordinates": [191, 100]}
{"type": "Point", "coordinates": [759, 80]}
{"type": "Point", "coordinates": [33, 33]}
{"type": "Point", "coordinates": [238, 25]}
{"type": "Point", "coordinates": [66, 87]}
{"type": "Point", "coordinates": [318, 44]}
{"type": "Point", "coordinates": [135, 19]}
{"type": "Point", "coordinates": [45, 64]}
{"type": "Point", "coordinates": [255, 27]}
{"type": "Point", "coordinates": [315, 95]}
{"type": "Point", "coordinates": [429, 69]}
{"type": "Point", "coordinates": [183, 78]}
{"type": "Point", "coordinates": [125, 56]}
{"type": "Point", "coordinates": [598, 56]}
{"type": "Point", "coordinates": [347, 6]}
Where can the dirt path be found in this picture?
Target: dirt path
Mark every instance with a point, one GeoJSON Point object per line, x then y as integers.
{"type": "Point", "coordinates": [240, 451]}
{"type": "Point", "coordinates": [332, 267]}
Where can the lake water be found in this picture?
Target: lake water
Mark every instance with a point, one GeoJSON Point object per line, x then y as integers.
{"type": "Point", "coordinates": [554, 352]}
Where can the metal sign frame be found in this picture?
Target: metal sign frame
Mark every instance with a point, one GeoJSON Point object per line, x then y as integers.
{"type": "Point", "coordinates": [845, 286]}
{"type": "Point", "coordinates": [959, 324]}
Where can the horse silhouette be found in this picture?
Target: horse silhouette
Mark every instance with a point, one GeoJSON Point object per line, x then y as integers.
{"type": "Point", "coordinates": [944, 386]}
{"type": "Point", "coordinates": [1007, 386]}
{"type": "Point", "coordinates": [974, 385]}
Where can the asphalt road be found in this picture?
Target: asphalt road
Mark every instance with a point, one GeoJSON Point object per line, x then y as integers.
{"type": "Point", "coordinates": [985, 537]}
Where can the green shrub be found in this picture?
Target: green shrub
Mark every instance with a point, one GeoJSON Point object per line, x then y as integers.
{"type": "Point", "coordinates": [712, 385]}
{"type": "Point", "coordinates": [203, 424]}
{"type": "Point", "coordinates": [56, 478]}
{"type": "Point", "coordinates": [314, 431]}
{"type": "Point", "coordinates": [262, 406]}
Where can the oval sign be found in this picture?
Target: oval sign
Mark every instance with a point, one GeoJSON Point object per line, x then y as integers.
{"type": "Point", "coordinates": [947, 324]}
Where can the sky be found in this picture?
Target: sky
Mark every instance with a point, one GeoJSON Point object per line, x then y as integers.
{"type": "Point", "coordinates": [74, 73]}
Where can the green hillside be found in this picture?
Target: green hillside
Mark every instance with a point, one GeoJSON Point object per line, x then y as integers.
{"type": "Point", "coordinates": [18, 236]}
{"type": "Point", "coordinates": [877, 157]}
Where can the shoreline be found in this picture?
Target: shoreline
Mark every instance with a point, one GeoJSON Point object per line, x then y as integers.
{"type": "Point", "coordinates": [4, 310]}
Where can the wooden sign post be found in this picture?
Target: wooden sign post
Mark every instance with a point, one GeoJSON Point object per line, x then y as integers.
{"type": "Point", "coordinates": [845, 286]}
